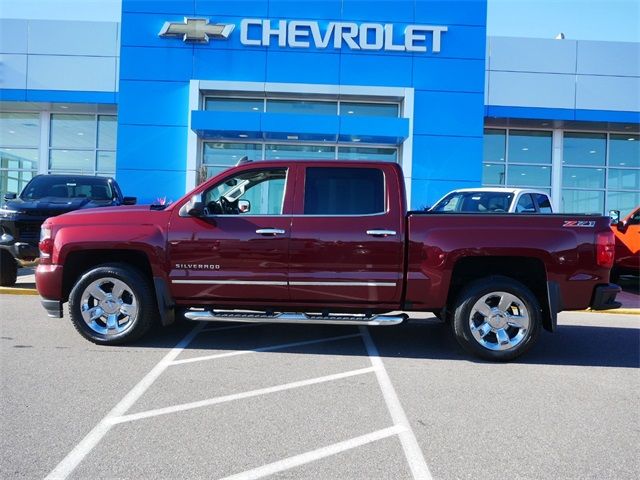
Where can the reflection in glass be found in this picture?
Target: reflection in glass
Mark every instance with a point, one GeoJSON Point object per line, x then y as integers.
{"type": "Point", "coordinates": [368, 153]}
{"type": "Point", "coordinates": [107, 163]}
{"type": "Point", "coordinates": [299, 152]}
{"type": "Point", "coordinates": [584, 148]}
{"type": "Point", "coordinates": [529, 147]}
{"type": "Point", "coordinates": [626, 202]}
{"type": "Point", "coordinates": [72, 161]}
{"type": "Point", "coordinates": [529, 175]}
{"type": "Point", "coordinates": [494, 145]}
{"type": "Point", "coordinates": [369, 109]}
{"type": "Point", "coordinates": [492, 174]}
{"type": "Point", "coordinates": [19, 129]}
{"type": "Point", "coordinates": [222, 104]}
{"type": "Point", "coordinates": [228, 154]}
{"type": "Point", "coordinates": [73, 131]}
{"type": "Point", "coordinates": [583, 177]}
{"type": "Point", "coordinates": [624, 179]}
{"type": "Point", "coordinates": [624, 150]}
{"type": "Point", "coordinates": [107, 130]}
{"type": "Point", "coordinates": [13, 181]}
{"type": "Point", "coordinates": [582, 201]}
{"type": "Point", "coordinates": [302, 107]}
{"type": "Point", "coordinates": [19, 158]}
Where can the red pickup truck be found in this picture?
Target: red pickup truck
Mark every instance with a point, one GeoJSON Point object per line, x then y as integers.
{"type": "Point", "coordinates": [322, 242]}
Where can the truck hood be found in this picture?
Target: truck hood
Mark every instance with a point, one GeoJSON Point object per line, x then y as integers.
{"type": "Point", "coordinates": [121, 215]}
{"type": "Point", "coordinates": [52, 206]}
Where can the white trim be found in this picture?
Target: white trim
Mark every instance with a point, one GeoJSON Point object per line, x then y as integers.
{"type": "Point", "coordinates": [406, 148]}
{"type": "Point", "coordinates": [228, 282]}
{"type": "Point", "coordinates": [45, 127]}
{"type": "Point", "coordinates": [344, 284]}
{"type": "Point", "coordinates": [557, 140]}
{"type": "Point", "coordinates": [191, 165]}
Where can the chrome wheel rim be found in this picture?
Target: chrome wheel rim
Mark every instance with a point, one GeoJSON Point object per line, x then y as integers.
{"type": "Point", "coordinates": [499, 321]}
{"type": "Point", "coordinates": [109, 306]}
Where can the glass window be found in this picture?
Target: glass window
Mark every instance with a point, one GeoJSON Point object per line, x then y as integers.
{"type": "Point", "coordinates": [494, 145]}
{"type": "Point", "coordinates": [107, 163]}
{"type": "Point", "coordinates": [584, 148]}
{"type": "Point", "coordinates": [367, 153]}
{"type": "Point", "coordinates": [369, 109]}
{"type": "Point", "coordinates": [302, 107]}
{"type": "Point", "coordinates": [529, 147]}
{"type": "Point", "coordinates": [299, 152]}
{"type": "Point", "coordinates": [529, 175]}
{"type": "Point", "coordinates": [223, 104]}
{"type": "Point", "coordinates": [343, 191]}
{"type": "Point", "coordinates": [525, 204]}
{"type": "Point", "coordinates": [263, 189]}
{"type": "Point", "coordinates": [19, 129]}
{"type": "Point", "coordinates": [72, 161]}
{"type": "Point", "coordinates": [69, 187]}
{"type": "Point", "coordinates": [626, 179]}
{"type": "Point", "coordinates": [626, 202]}
{"type": "Point", "coordinates": [583, 177]}
{"type": "Point", "coordinates": [73, 131]}
{"type": "Point", "coordinates": [582, 201]}
{"type": "Point", "coordinates": [219, 156]}
{"type": "Point", "coordinates": [624, 150]}
{"type": "Point", "coordinates": [493, 174]}
{"type": "Point", "coordinates": [543, 203]}
{"type": "Point", "coordinates": [474, 202]}
{"type": "Point", "coordinates": [107, 130]}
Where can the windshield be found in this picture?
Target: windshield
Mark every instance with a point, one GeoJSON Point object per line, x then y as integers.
{"type": "Point", "coordinates": [94, 188]}
{"type": "Point", "coordinates": [474, 202]}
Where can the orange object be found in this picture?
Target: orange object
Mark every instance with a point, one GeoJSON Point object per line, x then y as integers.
{"type": "Point", "coordinates": [627, 232]}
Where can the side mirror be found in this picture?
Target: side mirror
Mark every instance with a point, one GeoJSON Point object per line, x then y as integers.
{"type": "Point", "coordinates": [614, 215]}
{"type": "Point", "coordinates": [244, 206]}
{"type": "Point", "coordinates": [129, 200]}
{"type": "Point", "coordinates": [195, 206]}
{"type": "Point", "coordinates": [10, 196]}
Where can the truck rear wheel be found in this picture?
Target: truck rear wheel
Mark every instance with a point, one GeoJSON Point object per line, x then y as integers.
{"type": "Point", "coordinates": [8, 269]}
{"type": "Point", "coordinates": [112, 304]}
{"type": "Point", "coordinates": [496, 318]}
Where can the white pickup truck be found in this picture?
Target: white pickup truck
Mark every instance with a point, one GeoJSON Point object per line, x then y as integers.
{"type": "Point", "coordinates": [495, 200]}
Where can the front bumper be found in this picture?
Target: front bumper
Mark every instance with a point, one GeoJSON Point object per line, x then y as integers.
{"type": "Point", "coordinates": [604, 297]}
{"type": "Point", "coordinates": [25, 253]}
{"type": "Point", "coordinates": [49, 282]}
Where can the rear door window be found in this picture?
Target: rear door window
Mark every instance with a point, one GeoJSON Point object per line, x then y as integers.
{"type": "Point", "coordinates": [343, 191]}
{"type": "Point", "coordinates": [544, 204]}
{"type": "Point", "coordinates": [525, 204]}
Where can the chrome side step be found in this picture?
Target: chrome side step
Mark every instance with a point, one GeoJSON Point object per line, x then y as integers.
{"type": "Point", "coordinates": [256, 317]}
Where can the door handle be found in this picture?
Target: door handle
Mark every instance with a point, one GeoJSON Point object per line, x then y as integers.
{"type": "Point", "coordinates": [270, 231]}
{"type": "Point", "coordinates": [381, 233]}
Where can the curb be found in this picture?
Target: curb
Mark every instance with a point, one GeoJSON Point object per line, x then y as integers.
{"type": "Point", "coordinates": [18, 291]}
{"type": "Point", "coordinates": [618, 311]}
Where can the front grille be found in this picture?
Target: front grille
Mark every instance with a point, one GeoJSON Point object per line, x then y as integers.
{"type": "Point", "coordinates": [28, 232]}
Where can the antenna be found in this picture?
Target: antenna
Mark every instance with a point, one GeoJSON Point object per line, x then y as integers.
{"type": "Point", "coordinates": [243, 160]}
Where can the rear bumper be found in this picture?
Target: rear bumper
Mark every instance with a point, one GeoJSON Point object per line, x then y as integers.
{"type": "Point", "coordinates": [604, 297]}
{"type": "Point", "coordinates": [53, 307]}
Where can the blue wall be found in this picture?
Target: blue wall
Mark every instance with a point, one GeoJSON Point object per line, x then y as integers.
{"type": "Point", "coordinates": [155, 74]}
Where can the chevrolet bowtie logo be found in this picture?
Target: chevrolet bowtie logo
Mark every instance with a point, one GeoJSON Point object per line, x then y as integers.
{"type": "Point", "coordinates": [196, 30]}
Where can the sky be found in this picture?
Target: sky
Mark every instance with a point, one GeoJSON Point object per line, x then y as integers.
{"type": "Point", "coordinates": [614, 20]}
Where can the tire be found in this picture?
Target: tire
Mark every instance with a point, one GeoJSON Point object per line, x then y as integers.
{"type": "Point", "coordinates": [8, 269]}
{"type": "Point", "coordinates": [112, 304]}
{"type": "Point", "coordinates": [496, 318]}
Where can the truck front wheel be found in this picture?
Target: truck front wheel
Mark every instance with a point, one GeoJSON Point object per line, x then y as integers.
{"type": "Point", "coordinates": [112, 304]}
{"type": "Point", "coordinates": [496, 318]}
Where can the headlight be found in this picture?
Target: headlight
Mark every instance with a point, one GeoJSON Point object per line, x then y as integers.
{"type": "Point", "coordinates": [9, 212]}
{"type": "Point", "coordinates": [46, 242]}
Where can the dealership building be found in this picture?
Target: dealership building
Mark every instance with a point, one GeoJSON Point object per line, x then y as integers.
{"type": "Point", "coordinates": [179, 90]}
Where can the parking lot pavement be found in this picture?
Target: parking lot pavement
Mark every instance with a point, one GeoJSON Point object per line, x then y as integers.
{"type": "Point", "coordinates": [249, 401]}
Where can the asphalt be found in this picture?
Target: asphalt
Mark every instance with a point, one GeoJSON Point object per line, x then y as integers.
{"type": "Point", "coordinates": [568, 409]}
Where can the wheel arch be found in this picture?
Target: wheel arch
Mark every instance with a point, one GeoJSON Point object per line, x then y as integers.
{"type": "Point", "coordinates": [529, 271]}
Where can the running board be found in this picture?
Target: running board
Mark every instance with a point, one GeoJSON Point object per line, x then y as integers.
{"type": "Point", "coordinates": [254, 317]}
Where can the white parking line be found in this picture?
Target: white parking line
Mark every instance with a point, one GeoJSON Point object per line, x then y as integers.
{"type": "Point", "coordinates": [314, 455]}
{"type": "Point", "coordinates": [412, 450]}
{"type": "Point", "coordinates": [238, 396]}
{"type": "Point", "coordinates": [263, 349]}
{"type": "Point", "coordinates": [88, 443]}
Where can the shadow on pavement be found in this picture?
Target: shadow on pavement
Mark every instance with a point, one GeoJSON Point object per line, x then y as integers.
{"type": "Point", "coordinates": [598, 346]}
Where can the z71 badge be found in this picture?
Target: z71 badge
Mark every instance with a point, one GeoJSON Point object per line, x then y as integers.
{"type": "Point", "coordinates": [579, 223]}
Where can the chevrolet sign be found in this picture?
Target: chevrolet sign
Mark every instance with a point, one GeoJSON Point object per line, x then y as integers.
{"type": "Point", "coordinates": [305, 33]}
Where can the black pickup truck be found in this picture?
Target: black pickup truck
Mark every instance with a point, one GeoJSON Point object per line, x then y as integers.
{"type": "Point", "coordinates": [47, 196]}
